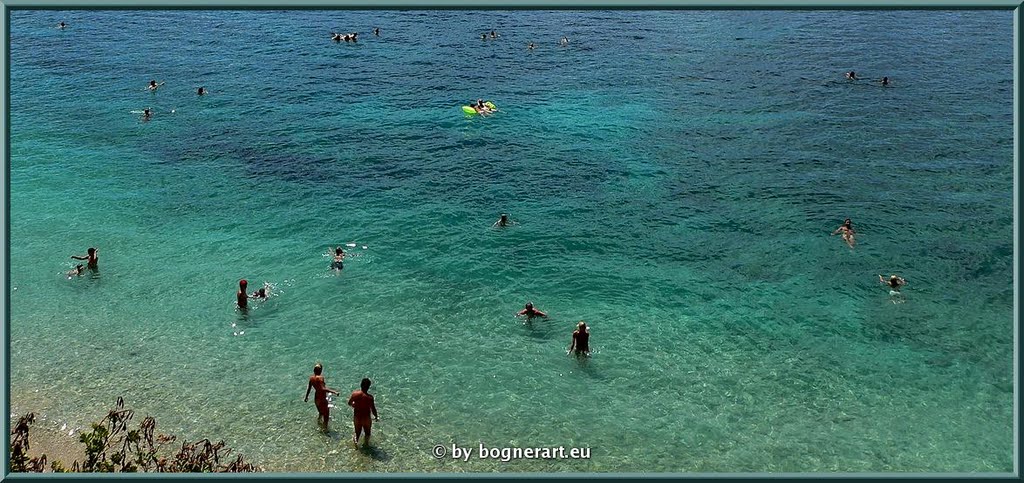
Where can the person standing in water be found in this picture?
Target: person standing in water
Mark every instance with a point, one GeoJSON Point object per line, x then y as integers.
{"type": "Point", "coordinates": [317, 383]}
{"type": "Point", "coordinates": [847, 230]}
{"type": "Point", "coordinates": [362, 405]}
{"type": "Point", "coordinates": [93, 257]}
{"type": "Point", "coordinates": [894, 282]}
{"type": "Point", "coordinates": [580, 340]}
{"type": "Point", "coordinates": [242, 296]}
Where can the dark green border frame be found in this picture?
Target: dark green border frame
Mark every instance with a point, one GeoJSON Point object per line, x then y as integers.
{"type": "Point", "coordinates": [1018, 46]}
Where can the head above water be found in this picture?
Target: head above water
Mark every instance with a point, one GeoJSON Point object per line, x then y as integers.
{"type": "Point", "coordinates": [582, 326]}
{"type": "Point", "coordinates": [338, 251]}
{"type": "Point", "coordinates": [529, 305]}
{"type": "Point", "coordinates": [318, 368]}
{"type": "Point", "coordinates": [91, 251]}
{"type": "Point", "coordinates": [242, 283]}
{"type": "Point", "coordinates": [365, 384]}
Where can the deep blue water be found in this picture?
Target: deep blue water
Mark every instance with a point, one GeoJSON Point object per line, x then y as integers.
{"type": "Point", "coordinates": [675, 176]}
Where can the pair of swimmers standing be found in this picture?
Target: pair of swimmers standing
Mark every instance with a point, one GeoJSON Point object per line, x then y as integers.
{"type": "Point", "coordinates": [361, 402]}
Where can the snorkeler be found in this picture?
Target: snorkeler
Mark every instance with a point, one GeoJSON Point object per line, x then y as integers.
{"type": "Point", "coordinates": [847, 230]}
{"type": "Point", "coordinates": [531, 312]}
{"type": "Point", "coordinates": [77, 271]}
{"type": "Point", "coordinates": [580, 340]}
{"type": "Point", "coordinates": [339, 257]}
{"type": "Point", "coordinates": [93, 257]}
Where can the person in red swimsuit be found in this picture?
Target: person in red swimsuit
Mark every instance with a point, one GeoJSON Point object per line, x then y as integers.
{"type": "Point", "coordinates": [362, 404]}
{"type": "Point", "coordinates": [317, 382]}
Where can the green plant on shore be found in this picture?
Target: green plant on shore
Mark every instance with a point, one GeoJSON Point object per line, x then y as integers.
{"type": "Point", "coordinates": [112, 446]}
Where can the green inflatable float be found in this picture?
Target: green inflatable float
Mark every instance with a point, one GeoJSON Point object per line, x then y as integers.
{"type": "Point", "coordinates": [472, 112]}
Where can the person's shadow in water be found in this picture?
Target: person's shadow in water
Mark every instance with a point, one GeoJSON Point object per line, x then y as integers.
{"type": "Point", "coordinates": [374, 452]}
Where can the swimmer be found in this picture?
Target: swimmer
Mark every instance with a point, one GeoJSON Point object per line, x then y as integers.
{"type": "Point", "coordinates": [564, 41]}
{"type": "Point", "coordinates": [77, 271]}
{"type": "Point", "coordinates": [93, 257]}
{"type": "Point", "coordinates": [153, 86]}
{"type": "Point", "coordinates": [242, 296]}
{"type": "Point", "coordinates": [336, 37]}
{"type": "Point", "coordinates": [483, 36]}
{"type": "Point", "coordinates": [201, 91]}
{"type": "Point", "coordinates": [851, 75]}
{"type": "Point", "coordinates": [262, 293]}
{"type": "Point", "coordinates": [847, 230]}
{"type": "Point", "coordinates": [494, 34]}
{"type": "Point", "coordinates": [531, 312]}
{"type": "Point", "coordinates": [530, 46]}
{"type": "Point", "coordinates": [363, 406]}
{"type": "Point", "coordinates": [376, 31]}
{"type": "Point", "coordinates": [580, 340]}
{"type": "Point", "coordinates": [317, 382]}
{"type": "Point", "coordinates": [894, 283]}
{"type": "Point", "coordinates": [62, 25]}
{"type": "Point", "coordinates": [339, 258]}
{"type": "Point", "coordinates": [884, 81]}
{"type": "Point", "coordinates": [147, 114]}
{"type": "Point", "coordinates": [503, 221]}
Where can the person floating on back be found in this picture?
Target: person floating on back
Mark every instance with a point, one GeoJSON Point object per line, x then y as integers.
{"type": "Point", "coordinates": [93, 257]}
{"type": "Point", "coordinates": [847, 230]}
{"type": "Point", "coordinates": [317, 383]}
{"type": "Point", "coordinates": [242, 296]}
{"type": "Point", "coordinates": [580, 340]}
{"type": "Point", "coordinates": [481, 108]}
{"type": "Point", "coordinates": [362, 405]}
{"type": "Point", "coordinates": [531, 312]}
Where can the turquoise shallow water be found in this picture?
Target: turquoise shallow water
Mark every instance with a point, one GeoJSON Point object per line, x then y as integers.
{"type": "Point", "coordinates": [675, 174]}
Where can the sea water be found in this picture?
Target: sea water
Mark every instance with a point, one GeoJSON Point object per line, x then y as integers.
{"type": "Point", "coordinates": [675, 176]}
